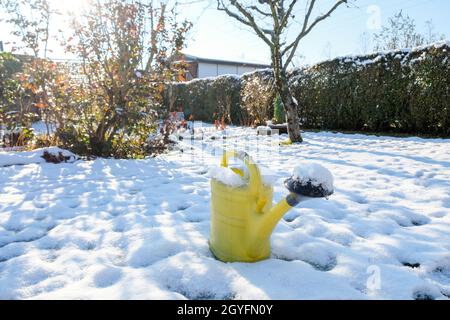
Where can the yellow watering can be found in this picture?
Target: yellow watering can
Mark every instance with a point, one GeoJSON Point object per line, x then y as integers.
{"type": "Point", "coordinates": [243, 218]}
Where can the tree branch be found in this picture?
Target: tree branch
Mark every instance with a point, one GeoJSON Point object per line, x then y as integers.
{"type": "Point", "coordinates": [275, 16]}
{"type": "Point", "coordinates": [307, 29]}
{"type": "Point", "coordinates": [285, 19]}
{"type": "Point", "coordinates": [246, 18]}
{"type": "Point", "coordinates": [304, 26]}
{"type": "Point", "coordinates": [261, 12]}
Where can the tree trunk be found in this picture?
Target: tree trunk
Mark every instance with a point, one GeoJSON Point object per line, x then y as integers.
{"type": "Point", "coordinates": [289, 104]}
{"type": "Point", "coordinates": [293, 121]}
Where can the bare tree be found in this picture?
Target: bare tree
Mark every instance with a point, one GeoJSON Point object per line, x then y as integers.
{"type": "Point", "coordinates": [364, 43]}
{"type": "Point", "coordinates": [270, 20]}
{"type": "Point", "coordinates": [400, 32]}
{"type": "Point", "coordinates": [31, 22]}
{"type": "Point", "coordinates": [328, 50]}
{"type": "Point", "coordinates": [431, 36]}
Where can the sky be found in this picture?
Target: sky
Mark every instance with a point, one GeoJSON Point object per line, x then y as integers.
{"type": "Point", "coordinates": [215, 35]}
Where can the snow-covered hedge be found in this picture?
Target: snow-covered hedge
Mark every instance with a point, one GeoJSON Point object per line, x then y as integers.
{"type": "Point", "coordinates": [399, 91]}
{"type": "Point", "coordinates": [211, 98]}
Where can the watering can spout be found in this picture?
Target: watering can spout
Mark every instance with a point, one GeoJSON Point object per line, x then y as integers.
{"type": "Point", "coordinates": [270, 219]}
{"type": "Point", "coordinates": [300, 190]}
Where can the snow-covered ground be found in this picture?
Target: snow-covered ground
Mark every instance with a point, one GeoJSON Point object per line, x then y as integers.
{"type": "Point", "coordinates": [118, 229]}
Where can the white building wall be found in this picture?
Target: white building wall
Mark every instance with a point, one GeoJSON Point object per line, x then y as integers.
{"type": "Point", "coordinates": [242, 70]}
{"type": "Point", "coordinates": [227, 69]}
{"type": "Point", "coordinates": [207, 70]}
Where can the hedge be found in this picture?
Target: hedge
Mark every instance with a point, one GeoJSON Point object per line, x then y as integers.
{"type": "Point", "coordinates": [211, 98]}
{"type": "Point", "coordinates": [403, 91]}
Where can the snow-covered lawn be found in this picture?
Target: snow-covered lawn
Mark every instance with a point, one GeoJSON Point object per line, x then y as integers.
{"type": "Point", "coordinates": [118, 229]}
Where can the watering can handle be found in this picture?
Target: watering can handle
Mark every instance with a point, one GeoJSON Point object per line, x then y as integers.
{"type": "Point", "coordinates": [255, 180]}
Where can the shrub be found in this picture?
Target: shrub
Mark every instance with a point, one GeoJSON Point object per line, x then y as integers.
{"type": "Point", "coordinates": [124, 66]}
{"type": "Point", "coordinates": [258, 94]}
{"type": "Point", "coordinates": [207, 99]}
{"type": "Point", "coordinates": [236, 99]}
{"type": "Point", "coordinates": [278, 112]}
{"type": "Point", "coordinates": [16, 112]}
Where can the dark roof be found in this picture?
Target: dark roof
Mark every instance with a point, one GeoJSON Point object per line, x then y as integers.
{"type": "Point", "coordinates": [189, 57]}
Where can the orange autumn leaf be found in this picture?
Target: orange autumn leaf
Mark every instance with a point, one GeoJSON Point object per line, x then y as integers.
{"type": "Point", "coordinates": [40, 105]}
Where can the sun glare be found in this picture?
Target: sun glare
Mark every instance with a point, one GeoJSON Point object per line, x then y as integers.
{"type": "Point", "coordinates": [71, 6]}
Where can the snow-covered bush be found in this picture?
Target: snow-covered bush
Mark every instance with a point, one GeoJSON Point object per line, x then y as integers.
{"type": "Point", "coordinates": [207, 99]}
{"type": "Point", "coordinates": [118, 103]}
{"type": "Point", "coordinates": [397, 91]}
{"type": "Point", "coordinates": [227, 97]}
{"type": "Point", "coordinates": [258, 94]}
{"type": "Point", "coordinates": [241, 100]}
{"type": "Point", "coordinates": [16, 114]}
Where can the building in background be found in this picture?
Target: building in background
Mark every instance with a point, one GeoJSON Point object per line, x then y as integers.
{"type": "Point", "coordinates": [204, 67]}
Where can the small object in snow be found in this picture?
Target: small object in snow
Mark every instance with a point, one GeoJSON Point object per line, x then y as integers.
{"type": "Point", "coordinates": [280, 128]}
{"type": "Point", "coordinates": [263, 131]}
{"type": "Point", "coordinates": [51, 154]}
{"type": "Point", "coordinates": [173, 138]}
{"type": "Point", "coordinates": [311, 180]}
{"type": "Point", "coordinates": [56, 158]}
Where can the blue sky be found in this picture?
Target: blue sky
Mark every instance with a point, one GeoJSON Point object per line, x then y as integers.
{"type": "Point", "coordinates": [215, 35]}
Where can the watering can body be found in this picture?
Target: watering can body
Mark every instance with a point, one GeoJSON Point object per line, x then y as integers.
{"type": "Point", "coordinates": [242, 218]}
{"type": "Point", "coordinates": [234, 224]}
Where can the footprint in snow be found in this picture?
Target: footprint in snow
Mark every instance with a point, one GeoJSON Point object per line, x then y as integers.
{"type": "Point", "coordinates": [115, 212]}
{"type": "Point", "coordinates": [412, 265]}
{"type": "Point", "coordinates": [71, 203]}
{"type": "Point", "coordinates": [439, 214]}
{"type": "Point", "coordinates": [14, 228]}
{"type": "Point", "coordinates": [327, 266]}
{"type": "Point", "coordinates": [416, 221]}
{"type": "Point", "coordinates": [426, 292]}
{"type": "Point", "coordinates": [359, 199]}
{"type": "Point", "coordinates": [30, 196]}
{"type": "Point", "coordinates": [282, 257]}
{"type": "Point", "coordinates": [134, 191]}
{"type": "Point", "coordinates": [398, 194]}
{"type": "Point", "coordinates": [291, 216]}
{"type": "Point", "coordinates": [50, 257]}
{"type": "Point", "coordinates": [183, 207]}
{"type": "Point", "coordinates": [446, 203]}
{"type": "Point", "coordinates": [86, 245]}
{"type": "Point", "coordinates": [430, 175]}
{"type": "Point", "coordinates": [420, 222]}
{"type": "Point", "coordinates": [203, 295]}
{"type": "Point", "coordinates": [442, 271]}
{"type": "Point", "coordinates": [40, 204]}
{"type": "Point", "coordinates": [107, 277]}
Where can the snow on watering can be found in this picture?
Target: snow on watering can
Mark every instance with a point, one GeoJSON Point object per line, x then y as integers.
{"type": "Point", "coordinates": [243, 218]}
